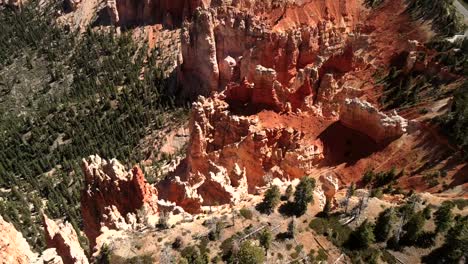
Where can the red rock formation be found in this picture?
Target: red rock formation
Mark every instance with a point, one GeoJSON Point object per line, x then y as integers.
{"type": "Point", "coordinates": [229, 156]}
{"type": "Point", "coordinates": [229, 40]}
{"type": "Point", "coordinates": [63, 238]}
{"type": "Point", "coordinates": [362, 116]}
{"type": "Point", "coordinates": [112, 196]}
{"type": "Point", "coordinates": [13, 246]}
{"type": "Point", "coordinates": [200, 65]}
{"type": "Point", "coordinates": [264, 94]}
{"type": "Point", "coordinates": [293, 62]}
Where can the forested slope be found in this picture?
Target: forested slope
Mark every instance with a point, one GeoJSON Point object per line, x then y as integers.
{"type": "Point", "coordinates": [64, 96]}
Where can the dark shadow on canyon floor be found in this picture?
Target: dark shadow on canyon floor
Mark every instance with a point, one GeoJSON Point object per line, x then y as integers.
{"type": "Point", "coordinates": [345, 145]}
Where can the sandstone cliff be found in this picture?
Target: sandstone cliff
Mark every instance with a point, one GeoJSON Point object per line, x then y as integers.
{"type": "Point", "coordinates": [230, 155]}
{"type": "Point", "coordinates": [113, 197]}
{"type": "Point", "coordinates": [225, 44]}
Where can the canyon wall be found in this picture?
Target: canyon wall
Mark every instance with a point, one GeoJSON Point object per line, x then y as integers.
{"type": "Point", "coordinates": [247, 57]}
{"type": "Point", "coordinates": [224, 41]}
{"type": "Point", "coordinates": [272, 76]}
{"type": "Point", "coordinates": [231, 155]}
{"type": "Point", "coordinates": [225, 44]}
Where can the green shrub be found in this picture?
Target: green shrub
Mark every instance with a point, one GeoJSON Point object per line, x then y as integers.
{"type": "Point", "coordinates": [322, 255]}
{"type": "Point", "coordinates": [249, 254]}
{"type": "Point", "coordinates": [455, 123]}
{"type": "Point", "coordinates": [270, 201]}
{"type": "Point", "coordinates": [246, 213]}
{"type": "Point", "coordinates": [443, 217]}
{"type": "Point", "coordinates": [323, 226]}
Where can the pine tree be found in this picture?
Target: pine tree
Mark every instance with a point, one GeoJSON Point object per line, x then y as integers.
{"type": "Point", "coordinates": [250, 254]}
{"type": "Point", "coordinates": [455, 248]}
{"type": "Point", "coordinates": [265, 239]}
{"type": "Point", "coordinates": [304, 194]}
{"type": "Point", "coordinates": [362, 237]}
{"type": "Point", "coordinates": [414, 227]}
{"type": "Point", "coordinates": [444, 217]}
{"type": "Point", "coordinates": [327, 208]}
{"type": "Point", "coordinates": [427, 212]}
{"type": "Point", "coordinates": [270, 201]}
{"type": "Point", "coordinates": [383, 225]}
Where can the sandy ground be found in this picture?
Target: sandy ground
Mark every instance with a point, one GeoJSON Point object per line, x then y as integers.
{"type": "Point", "coordinates": [158, 242]}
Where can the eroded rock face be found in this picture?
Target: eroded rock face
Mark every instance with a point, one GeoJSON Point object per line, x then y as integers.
{"type": "Point", "coordinates": [364, 117]}
{"type": "Point", "coordinates": [329, 184]}
{"type": "Point", "coordinates": [230, 155]}
{"type": "Point", "coordinates": [200, 64]}
{"type": "Point", "coordinates": [248, 57]}
{"type": "Point", "coordinates": [63, 237]}
{"type": "Point", "coordinates": [13, 246]}
{"type": "Point", "coordinates": [113, 196]}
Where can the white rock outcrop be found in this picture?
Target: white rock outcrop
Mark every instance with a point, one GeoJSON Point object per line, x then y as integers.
{"type": "Point", "coordinates": [367, 119]}
{"type": "Point", "coordinates": [63, 238]}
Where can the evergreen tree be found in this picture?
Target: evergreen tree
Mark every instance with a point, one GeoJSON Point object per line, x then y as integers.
{"type": "Point", "coordinates": [304, 194]}
{"type": "Point", "coordinates": [327, 208]}
{"type": "Point", "coordinates": [444, 217]}
{"type": "Point", "coordinates": [193, 255]}
{"type": "Point", "coordinates": [270, 201]}
{"type": "Point", "coordinates": [383, 225]}
{"type": "Point", "coordinates": [362, 237]}
{"type": "Point", "coordinates": [414, 227]}
{"type": "Point", "coordinates": [427, 212]}
{"type": "Point", "coordinates": [265, 240]}
{"type": "Point", "coordinates": [250, 254]}
{"type": "Point", "coordinates": [368, 177]}
{"type": "Point", "coordinates": [455, 248]}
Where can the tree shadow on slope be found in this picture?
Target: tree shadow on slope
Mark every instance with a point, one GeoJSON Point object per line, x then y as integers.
{"type": "Point", "coordinates": [288, 209]}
